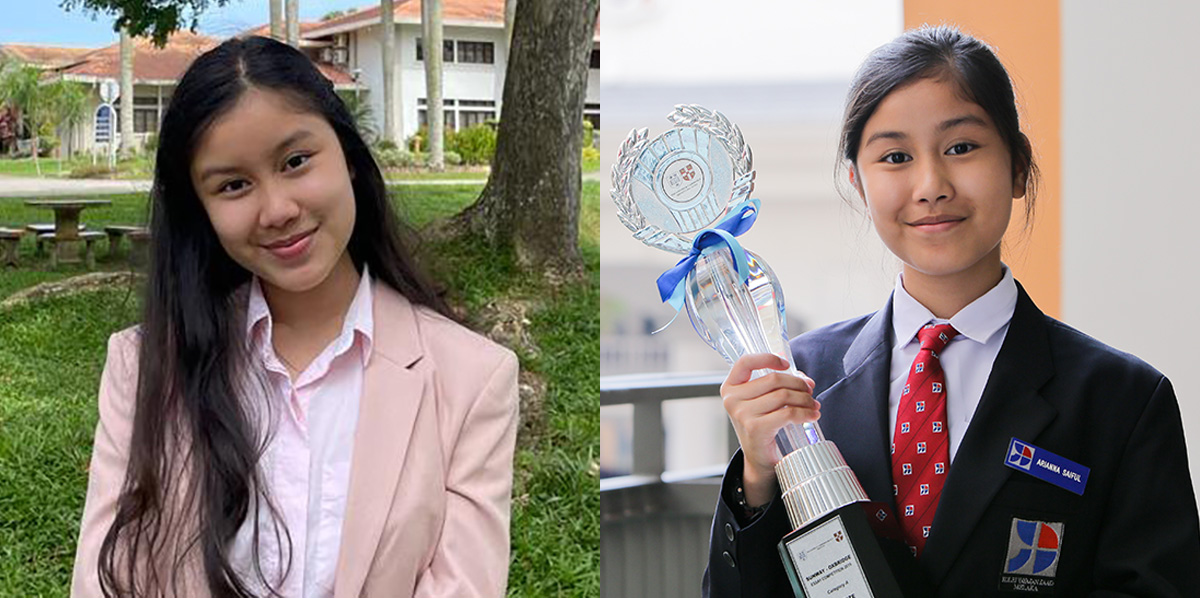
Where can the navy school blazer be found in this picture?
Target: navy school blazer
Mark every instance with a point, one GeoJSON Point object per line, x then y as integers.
{"type": "Point", "coordinates": [1133, 532]}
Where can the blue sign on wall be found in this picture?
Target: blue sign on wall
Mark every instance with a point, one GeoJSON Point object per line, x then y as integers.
{"type": "Point", "coordinates": [104, 124]}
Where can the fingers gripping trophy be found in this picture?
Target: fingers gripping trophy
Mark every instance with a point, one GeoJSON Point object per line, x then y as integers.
{"type": "Point", "coordinates": [687, 191]}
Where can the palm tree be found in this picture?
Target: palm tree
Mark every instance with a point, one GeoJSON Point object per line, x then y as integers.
{"type": "Point", "coordinates": [360, 111]}
{"type": "Point", "coordinates": [19, 88]}
{"type": "Point", "coordinates": [431, 22]}
{"type": "Point", "coordinates": [388, 22]}
{"type": "Point", "coordinates": [293, 22]}
{"type": "Point", "coordinates": [277, 19]}
{"type": "Point", "coordinates": [66, 104]}
{"type": "Point", "coordinates": [126, 93]}
{"type": "Point", "coordinates": [41, 107]}
{"type": "Point", "coordinates": [510, 12]}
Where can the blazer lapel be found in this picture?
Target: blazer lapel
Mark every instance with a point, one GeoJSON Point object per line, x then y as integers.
{"type": "Point", "coordinates": [391, 398]}
{"type": "Point", "coordinates": [855, 408]}
{"type": "Point", "coordinates": [1010, 407]}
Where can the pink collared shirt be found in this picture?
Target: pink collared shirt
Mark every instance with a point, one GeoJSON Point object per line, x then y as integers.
{"type": "Point", "coordinates": [306, 466]}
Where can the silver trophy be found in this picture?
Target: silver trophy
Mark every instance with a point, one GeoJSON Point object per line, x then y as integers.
{"type": "Point", "coordinates": [668, 190]}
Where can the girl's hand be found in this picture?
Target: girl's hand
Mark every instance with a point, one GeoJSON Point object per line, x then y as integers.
{"type": "Point", "coordinates": [760, 407]}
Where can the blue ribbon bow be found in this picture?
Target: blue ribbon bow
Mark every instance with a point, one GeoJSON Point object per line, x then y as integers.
{"type": "Point", "coordinates": [739, 220]}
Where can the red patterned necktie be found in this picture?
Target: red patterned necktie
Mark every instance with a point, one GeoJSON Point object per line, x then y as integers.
{"type": "Point", "coordinates": [921, 443]}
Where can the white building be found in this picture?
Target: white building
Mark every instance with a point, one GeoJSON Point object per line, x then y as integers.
{"type": "Point", "coordinates": [156, 72]}
{"type": "Point", "coordinates": [475, 59]}
{"type": "Point", "coordinates": [347, 50]}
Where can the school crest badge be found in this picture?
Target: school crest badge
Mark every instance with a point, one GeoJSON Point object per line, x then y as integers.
{"type": "Point", "coordinates": [1033, 553]}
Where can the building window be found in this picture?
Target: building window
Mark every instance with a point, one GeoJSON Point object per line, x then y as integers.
{"type": "Point", "coordinates": [461, 114]}
{"type": "Point", "coordinates": [471, 118]}
{"type": "Point", "coordinates": [145, 121]}
{"type": "Point", "coordinates": [447, 118]}
{"type": "Point", "coordinates": [145, 114]}
{"type": "Point", "coordinates": [476, 52]}
{"type": "Point", "coordinates": [447, 50]}
{"type": "Point", "coordinates": [595, 59]}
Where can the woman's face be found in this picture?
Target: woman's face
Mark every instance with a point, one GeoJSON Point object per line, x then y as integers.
{"type": "Point", "coordinates": [277, 190]}
{"type": "Point", "coordinates": [937, 179]}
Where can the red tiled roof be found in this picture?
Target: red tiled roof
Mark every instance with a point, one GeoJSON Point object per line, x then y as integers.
{"type": "Point", "coordinates": [149, 61]}
{"type": "Point", "coordinates": [45, 56]}
{"type": "Point", "coordinates": [169, 62]}
{"type": "Point", "coordinates": [335, 73]}
{"type": "Point", "coordinates": [409, 11]}
{"type": "Point", "coordinates": [265, 29]}
{"type": "Point", "coordinates": [487, 11]}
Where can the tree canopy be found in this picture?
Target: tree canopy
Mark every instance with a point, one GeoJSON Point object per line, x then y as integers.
{"type": "Point", "coordinates": [157, 20]}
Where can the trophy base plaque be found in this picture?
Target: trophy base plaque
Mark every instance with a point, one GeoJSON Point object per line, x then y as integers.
{"type": "Point", "coordinates": [837, 555]}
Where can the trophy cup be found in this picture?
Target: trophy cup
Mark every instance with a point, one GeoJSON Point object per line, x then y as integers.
{"type": "Point", "coordinates": [669, 191]}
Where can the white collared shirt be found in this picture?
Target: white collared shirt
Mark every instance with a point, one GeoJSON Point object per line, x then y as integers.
{"type": "Point", "coordinates": [967, 360]}
{"type": "Point", "coordinates": [306, 466]}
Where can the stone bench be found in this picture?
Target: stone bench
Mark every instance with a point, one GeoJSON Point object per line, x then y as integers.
{"type": "Point", "coordinates": [40, 229]}
{"type": "Point", "coordinates": [139, 246]}
{"type": "Point", "coordinates": [10, 241]}
{"type": "Point", "coordinates": [88, 238]}
{"type": "Point", "coordinates": [117, 232]}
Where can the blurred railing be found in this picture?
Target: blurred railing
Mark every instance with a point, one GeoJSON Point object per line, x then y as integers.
{"type": "Point", "coordinates": [654, 524]}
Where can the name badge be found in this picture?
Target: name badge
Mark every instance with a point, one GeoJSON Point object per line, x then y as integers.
{"type": "Point", "coordinates": [1047, 466]}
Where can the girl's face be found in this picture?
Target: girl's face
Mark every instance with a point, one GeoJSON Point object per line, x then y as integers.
{"type": "Point", "coordinates": [277, 189]}
{"type": "Point", "coordinates": [937, 179]}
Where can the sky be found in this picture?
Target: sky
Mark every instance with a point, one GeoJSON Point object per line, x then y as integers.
{"type": "Point", "coordinates": [45, 22]}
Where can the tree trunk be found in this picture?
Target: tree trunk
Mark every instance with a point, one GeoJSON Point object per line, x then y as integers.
{"type": "Point", "coordinates": [37, 165]}
{"type": "Point", "coordinates": [277, 19]}
{"type": "Point", "coordinates": [431, 20]}
{"type": "Point", "coordinates": [391, 131]}
{"type": "Point", "coordinates": [531, 202]}
{"type": "Point", "coordinates": [126, 93]}
{"type": "Point", "coordinates": [293, 23]}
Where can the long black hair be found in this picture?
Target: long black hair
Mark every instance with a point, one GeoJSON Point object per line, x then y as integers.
{"type": "Point", "coordinates": [193, 475]}
{"type": "Point", "coordinates": [932, 53]}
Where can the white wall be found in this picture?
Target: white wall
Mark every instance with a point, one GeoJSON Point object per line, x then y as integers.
{"type": "Point", "coordinates": [459, 81]}
{"type": "Point", "coordinates": [367, 44]}
{"type": "Point", "coordinates": [1130, 200]}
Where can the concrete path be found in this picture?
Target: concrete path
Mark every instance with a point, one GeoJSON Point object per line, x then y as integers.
{"type": "Point", "coordinates": [30, 187]}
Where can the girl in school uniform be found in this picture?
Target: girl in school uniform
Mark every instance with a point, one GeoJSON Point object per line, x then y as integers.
{"type": "Point", "coordinates": [949, 399]}
{"type": "Point", "coordinates": [298, 414]}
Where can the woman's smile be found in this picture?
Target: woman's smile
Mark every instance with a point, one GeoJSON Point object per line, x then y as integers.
{"type": "Point", "coordinates": [275, 184]}
{"type": "Point", "coordinates": [938, 182]}
{"type": "Point", "coordinates": [292, 247]}
{"type": "Point", "coordinates": [937, 224]}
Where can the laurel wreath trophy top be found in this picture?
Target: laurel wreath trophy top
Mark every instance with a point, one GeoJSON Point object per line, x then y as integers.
{"type": "Point", "coordinates": [671, 187]}
{"type": "Point", "coordinates": [688, 191]}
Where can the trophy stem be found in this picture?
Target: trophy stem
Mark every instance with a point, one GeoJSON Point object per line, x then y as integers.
{"type": "Point", "coordinates": [816, 480]}
{"type": "Point", "coordinates": [738, 318]}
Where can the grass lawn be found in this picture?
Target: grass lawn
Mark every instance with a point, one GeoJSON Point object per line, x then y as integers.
{"type": "Point", "coordinates": [138, 167]}
{"type": "Point", "coordinates": [53, 351]}
{"type": "Point", "coordinates": [419, 204]}
{"type": "Point", "coordinates": [591, 165]}
{"type": "Point", "coordinates": [422, 175]}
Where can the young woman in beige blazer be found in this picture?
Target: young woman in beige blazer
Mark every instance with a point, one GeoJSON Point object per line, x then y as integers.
{"type": "Point", "coordinates": [298, 414]}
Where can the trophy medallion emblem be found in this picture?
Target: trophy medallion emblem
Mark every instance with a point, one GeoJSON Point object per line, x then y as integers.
{"type": "Point", "coordinates": [671, 187]}
{"type": "Point", "coordinates": [687, 191]}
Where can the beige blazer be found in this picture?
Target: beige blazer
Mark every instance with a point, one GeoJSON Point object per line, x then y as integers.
{"type": "Point", "coordinates": [427, 511]}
